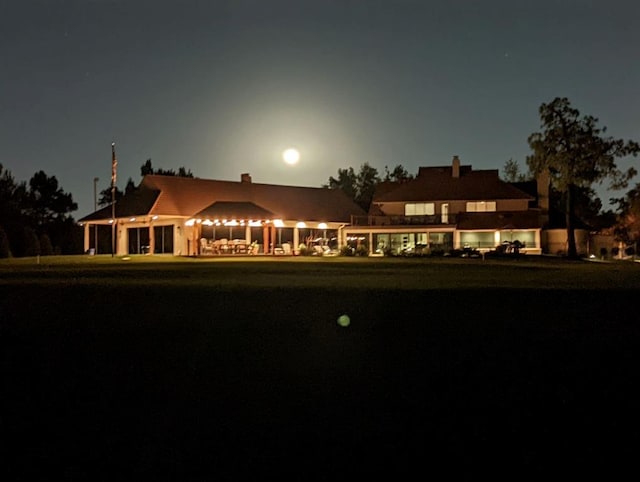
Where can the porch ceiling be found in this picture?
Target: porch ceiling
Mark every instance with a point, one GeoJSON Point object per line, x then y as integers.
{"type": "Point", "coordinates": [234, 210]}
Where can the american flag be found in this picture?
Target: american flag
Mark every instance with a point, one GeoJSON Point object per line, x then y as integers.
{"type": "Point", "coordinates": [114, 164]}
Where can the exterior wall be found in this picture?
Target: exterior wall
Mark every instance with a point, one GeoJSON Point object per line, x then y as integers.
{"type": "Point", "coordinates": [601, 245]}
{"type": "Point", "coordinates": [554, 241]}
{"type": "Point", "coordinates": [122, 240]}
{"type": "Point", "coordinates": [181, 241]}
{"type": "Point", "coordinates": [392, 209]}
{"type": "Point", "coordinates": [397, 208]}
{"type": "Point", "coordinates": [512, 205]}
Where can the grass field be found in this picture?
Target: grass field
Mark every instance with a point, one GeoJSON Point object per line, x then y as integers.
{"type": "Point", "coordinates": [189, 369]}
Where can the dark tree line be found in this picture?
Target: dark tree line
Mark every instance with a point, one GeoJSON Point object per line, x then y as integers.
{"type": "Point", "coordinates": [35, 217]}
{"type": "Point", "coordinates": [146, 168]}
{"type": "Point", "coordinates": [361, 187]}
{"type": "Point", "coordinates": [587, 206]}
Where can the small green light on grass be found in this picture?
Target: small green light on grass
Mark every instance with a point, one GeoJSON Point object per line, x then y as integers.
{"type": "Point", "coordinates": [344, 320]}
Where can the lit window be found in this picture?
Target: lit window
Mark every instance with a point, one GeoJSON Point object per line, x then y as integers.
{"type": "Point", "coordinates": [419, 209]}
{"type": "Point", "coordinates": [481, 206]}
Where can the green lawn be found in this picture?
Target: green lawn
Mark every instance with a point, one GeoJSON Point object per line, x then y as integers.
{"type": "Point", "coordinates": [335, 273]}
{"type": "Point", "coordinates": [190, 369]}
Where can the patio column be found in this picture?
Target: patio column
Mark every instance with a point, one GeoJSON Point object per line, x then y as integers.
{"type": "Point", "coordinates": [152, 238]}
{"type": "Point", "coordinates": [296, 240]}
{"type": "Point", "coordinates": [247, 234]}
{"type": "Point", "coordinates": [86, 237]}
{"type": "Point", "coordinates": [370, 242]}
{"type": "Point", "coordinates": [265, 239]}
{"type": "Point", "coordinates": [196, 240]}
{"type": "Point", "coordinates": [121, 240]}
{"type": "Point", "coordinates": [273, 238]}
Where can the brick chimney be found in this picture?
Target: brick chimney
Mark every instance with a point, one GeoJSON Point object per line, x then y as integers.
{"type": "Point", "coordinates": [455, 167]}
{"type": "Point", "coordinates": [543, 180]}
{"type": "Point", "coordinates": [245, 178]}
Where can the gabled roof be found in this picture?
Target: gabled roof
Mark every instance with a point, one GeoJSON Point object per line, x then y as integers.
{"type": "Point", "coordinates": [183, 196]}
{"type": "Point", "coordinates": [234, 210]}
{"type": "Point", "coordinates": [438, 184]}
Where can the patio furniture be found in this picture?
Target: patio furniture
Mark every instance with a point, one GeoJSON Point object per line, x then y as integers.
{"type": "Point", "coordinates": [205, 246]}
{"type": "Point", "coordinates": [240, 246]}
{"type": "Point", "coordinates": [286, 249]}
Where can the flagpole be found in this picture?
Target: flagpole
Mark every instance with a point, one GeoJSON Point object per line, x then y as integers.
{"type": "Point", "coordinates": [114, 165]}
{"type": "Point", "coordinates": [95, 209]}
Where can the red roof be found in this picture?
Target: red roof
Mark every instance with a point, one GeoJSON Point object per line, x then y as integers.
{"type": "Point", "coordinates": [183, 196]}
{"type": "Point", "coordinates": [438, 184]}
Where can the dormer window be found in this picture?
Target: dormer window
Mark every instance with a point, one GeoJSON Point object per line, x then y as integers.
{"type": "Point", "coordinates": [481, 206]}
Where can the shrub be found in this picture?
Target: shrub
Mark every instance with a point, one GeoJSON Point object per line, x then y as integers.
{"type": "Point", "coordinates": [346, 251]}
{"type": "Point", "coordinates": [5, 250]}
{"type": "Point", "coordinates": [31, 245]}
{"type": "Point", "coordinates": [362, 250]}
{"type": "Point", "coordinates": [46, 249]}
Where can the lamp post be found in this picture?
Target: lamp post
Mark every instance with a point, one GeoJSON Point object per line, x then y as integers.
{"type": "Point", "coordinates": [95, 208]}
{"type": "Point", "coordinates": [114, 164]}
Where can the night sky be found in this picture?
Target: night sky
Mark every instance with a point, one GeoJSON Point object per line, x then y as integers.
{"type": "Point", "coordinates": [223, 87]}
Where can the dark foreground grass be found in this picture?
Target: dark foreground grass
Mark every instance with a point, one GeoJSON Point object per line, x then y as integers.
{"type": "Point", "coordinates": [181, 375]}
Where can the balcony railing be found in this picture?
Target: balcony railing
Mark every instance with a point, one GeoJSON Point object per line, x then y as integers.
{"type": "Point", "coordinates": [435, 219]}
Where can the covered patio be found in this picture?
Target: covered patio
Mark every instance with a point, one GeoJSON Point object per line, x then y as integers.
{"type": "Point", "coordinates": [244, 228]}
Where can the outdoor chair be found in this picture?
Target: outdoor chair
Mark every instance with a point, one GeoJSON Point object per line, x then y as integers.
{"type": "Point", "coordinates": [205, 247]}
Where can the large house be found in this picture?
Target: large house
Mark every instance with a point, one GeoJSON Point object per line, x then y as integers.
{"type": "Point", "coordinates": [452, 207]}
{"type": "Point", "coordinates": [191, 216]}
{"type": "Point", "coordinates": [443, 208]}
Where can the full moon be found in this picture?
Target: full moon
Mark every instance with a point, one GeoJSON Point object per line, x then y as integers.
{"type": "Point", "coordinates": [291, 156]}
